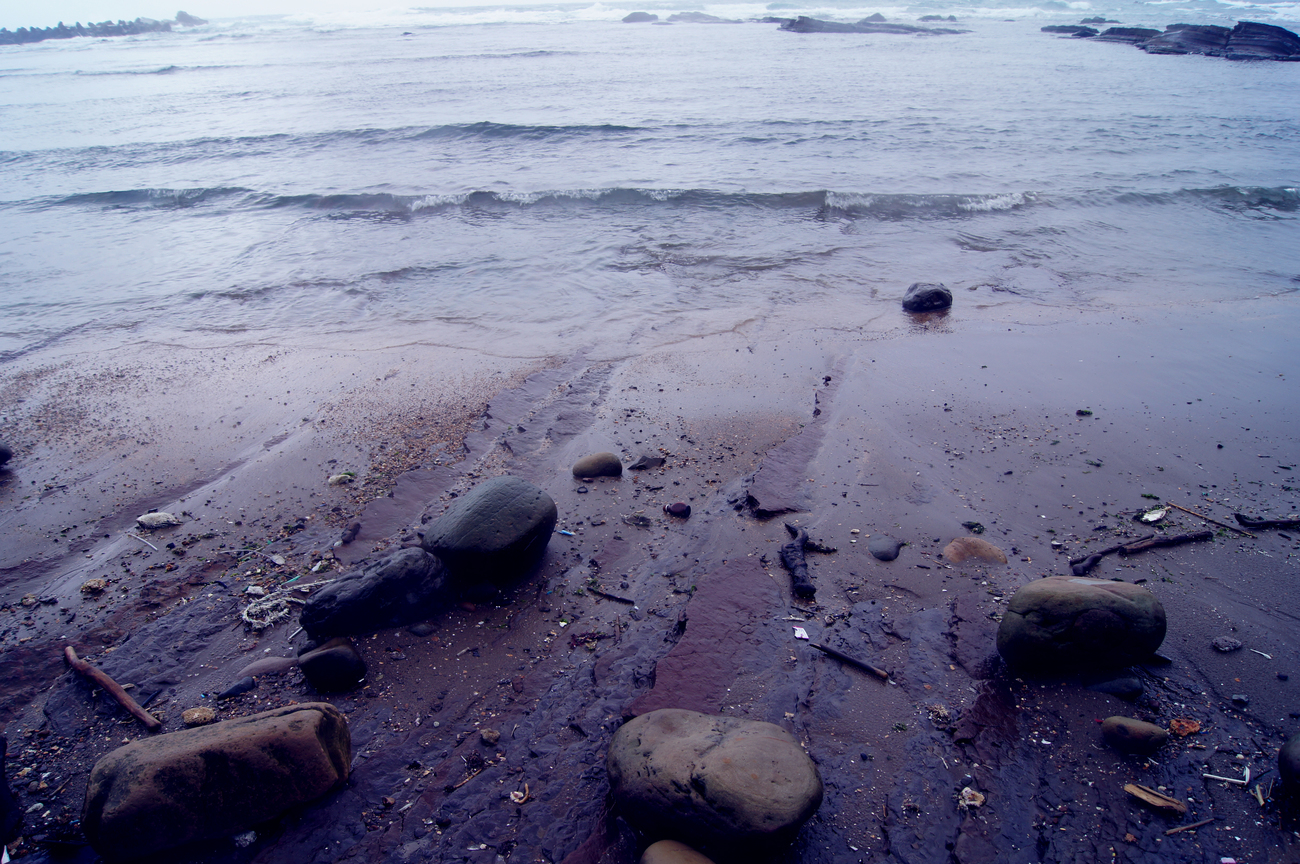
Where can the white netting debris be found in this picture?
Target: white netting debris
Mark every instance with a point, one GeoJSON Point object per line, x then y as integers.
{"type": "Point", "coordinates": [275, 607]}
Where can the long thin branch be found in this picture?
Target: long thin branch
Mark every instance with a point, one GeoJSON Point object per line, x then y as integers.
{"type": "Point", "coordinates": [114, 689]}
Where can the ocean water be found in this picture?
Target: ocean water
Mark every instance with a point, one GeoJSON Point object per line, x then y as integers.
{"type": "Point", "coordinates": [546, 179]}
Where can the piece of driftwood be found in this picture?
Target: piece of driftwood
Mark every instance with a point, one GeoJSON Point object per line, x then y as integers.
{"type": "Point", "coordinates": [609, 596]}
{"type": "Point", "coordinates": [792, 556]}
{"type": "Point", "coordinates": [1250, 522]}
{"type": "Point", "coordinates": [113, 689]}
{"type": "Point", "coordinates": [852, 661]}
{"type": "Point", "coordinates": [1158, 542]}
{"type": "Point", "coordinates": [1081, 566]}
{"type": "Point", "coordinates": [1181, 828]}
{"type": "Point", "coordinates": [1208, 519]}
{"type": "Point", "coordinates": [1163, 803]}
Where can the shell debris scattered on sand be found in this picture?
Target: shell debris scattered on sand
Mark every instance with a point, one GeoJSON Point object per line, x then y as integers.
{"type": "Point", "coordinates": [160, 519]}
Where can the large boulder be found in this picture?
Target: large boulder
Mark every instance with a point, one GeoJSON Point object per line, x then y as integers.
{"type": "Point", "coordinates": [1251, 40]}
{"type": "Point", "coordinates": [407, 586]}
{"type": "Point", "coordinates": [1188, 39]}
{"type": "Point", "coordinates": [640, 18]}
{"type": "Point", "coordinates": [926, 297]}
{"type": "Point", "coordinates": [1071, 622]}
{"type": "Point", "coordinates": [495, 534]}
{"type": "Point", "coordinates": [717, 783]}
{"type": "Point", "coordinates": [214, 781]}
{"type": "Point", "coordinates": [1288, 763]}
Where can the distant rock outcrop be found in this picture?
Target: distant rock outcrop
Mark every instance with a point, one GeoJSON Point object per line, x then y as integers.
{"type": "Point", "coordinates": [1248, 40]}
{"type": "Point", "coordinates": [874, 24]}
{"type": "Point", "coordinates": [640, 18]}
{"type": "Point", "coordinates": [24, 35]}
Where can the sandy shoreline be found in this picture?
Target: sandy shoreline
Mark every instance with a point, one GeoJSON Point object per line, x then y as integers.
{"type": "Point", "coordinates": [947, 421]}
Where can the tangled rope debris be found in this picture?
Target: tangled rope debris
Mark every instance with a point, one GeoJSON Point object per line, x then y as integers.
{"type": "Point", "coordinates": [275, 607]}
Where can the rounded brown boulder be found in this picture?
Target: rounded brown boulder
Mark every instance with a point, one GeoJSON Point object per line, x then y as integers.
{"type": "Point", "coordinates": [213, 781]}
{"type": "Point", "coordinates": [598, 465]}
{"type": "Point", "coordinates": [964, 548]}
{"type": "Point", "coordinates": [717, 783]}
{"type": "Point", "coordinates": [1128, 735]}
{"type": "Point", "coordinates": [1070, 622]}
{"type": "Point", "coordinates": [672, 852]}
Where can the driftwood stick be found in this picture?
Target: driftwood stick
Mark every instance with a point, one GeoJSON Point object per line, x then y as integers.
{"type": "Point", "coordinates": [609, 596]}
{"type": "Point", "coordinates": [1158, 542]}
{"type": "Point", "coordinates": [1181, 828]}
{"type": "Point", "coordinates": [114, 689]}
{"type": "Point", "coordinates": [1251, 522]}
{"type": "Point", "coordinates": [852, 661]}
{"type": "Point", "coordinates": [792, 556]}
{"type": "Point", "coordinates": [1208, 519]}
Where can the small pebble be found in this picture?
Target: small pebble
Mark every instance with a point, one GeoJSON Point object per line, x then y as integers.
{"type": "Point", "coordinates": [200, 716]}
{"type": "Point", "coordinates": [680, 510]}
{"type": "Point", "coordinates": [1241, 700]}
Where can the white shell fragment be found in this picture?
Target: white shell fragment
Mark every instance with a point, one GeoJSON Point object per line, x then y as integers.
{"type": "Point", "coordinates": [157, 520]}
{"type": "Point", "coordinates": [342, 479]}
{"type": "Point", "coordinates": [969, 798]}
{"type": "Point", "coordinates": [1154, 515]}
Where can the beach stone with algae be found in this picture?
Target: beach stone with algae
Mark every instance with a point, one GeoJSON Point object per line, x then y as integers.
{"type": "Point", "coordinates": [714, 782]}
{"type": "Point", "coordinates": [1072, 622]}
{"type": "Point", "coordinates": [214, 781]}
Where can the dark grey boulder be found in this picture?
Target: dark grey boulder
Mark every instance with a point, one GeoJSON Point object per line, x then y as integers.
{"type": "Point", "coordinates": [213, 781]}
{"type": "Point", "coordinates": [1071, 622]}
{"type": "Point", "coordinates": [1128, 735]}
{"type": "Point", "coordinates": [926, 297]}
{"type": "Point", "coordinates": [717, 783]}
{"type": "Point", "coordinates": [495, 534]}
{"type": "Point", "coordinates": [1077, 30]}
{"type": "Point", "coordinates": [1188, 39]}
{"type": "Point", "coordinates": [408, 586]}
{"type": "Point", "coordinates": [598, 465]}
{"type": "Point", "coordinates": [5, 454]}
{"type": "Point", "coordinates": [1125, 687]}
{"type": "Point", "coordinates": [698, 18]}
{"type": "Point", "coordinates": [1288, 763]}
{"type": "Point", "coordinates": [334, 667]}
{"type": "Point", "coordinates": [883, 547]}
{"type": "Point", "coordinates": [639, 18]}
{"type": "Point", "coordinates": [874, 24]}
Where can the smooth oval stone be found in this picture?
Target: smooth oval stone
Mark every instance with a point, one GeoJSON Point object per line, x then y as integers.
{"type": "Point", "coordinates": [680, 510]}
{"type": "Point", "coordinates": [968, 548]}
{"type": "Point", "coordinates": [739, 786]}
{"type": "Point", "coordinates": [672, 852]}
{"type": "Point", "coordinates": [1288, 762]}
{"type": "Point", "coordinates": [1071, 622]}
{"type": "Point", "coordinates": [334, 667]}
{"type": "Point", "coordinates": [497, 533]}
{"type": "Point", "coordinates": [1133, 736]}
{"type": "Point", "coordinates": [598, 465]}
{"type": "Point", "coordinates": [884, 548]}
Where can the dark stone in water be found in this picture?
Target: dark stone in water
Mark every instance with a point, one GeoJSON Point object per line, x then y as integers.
{"type": "Point", "coordinates": [1188, 39]}
{"type": "Point", "coordinates": [926, 297]}
{"type": "Point", "coordinates": [1131, 35]}
{"type": "Point", "coordinates": [884, 548]}
{"type": "Point", "coordinates": [873, 24]}
{"type": "Point", "coordinates": [1251, 40]}
{"type": "Point", "coordinates": [639, 18]}
{"type": "Point", "coordinates": [1076, 30]}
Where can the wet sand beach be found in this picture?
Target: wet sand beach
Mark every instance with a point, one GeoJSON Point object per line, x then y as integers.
{"type": "Point", "coordinates": [1049, 431]}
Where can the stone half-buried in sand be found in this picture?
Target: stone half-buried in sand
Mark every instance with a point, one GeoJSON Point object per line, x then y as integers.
{"type": "Point", "coordinates": [495, 534]}
{"type": "Point", "coordinates": [1065, 623]}
{"type": "Point", "coordinates": [973, 548]}
{"type": "Point", "coordinates": [214, 781]}
{"type": "Point", "coordinates": [723, 785]}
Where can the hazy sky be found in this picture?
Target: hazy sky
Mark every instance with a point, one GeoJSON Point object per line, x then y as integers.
{"type": "Point", "coordinates": [45, 13]}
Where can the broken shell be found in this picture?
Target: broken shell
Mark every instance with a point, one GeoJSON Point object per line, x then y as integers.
{"type": "Point", "coordinates": [157, 520]}
{"type": "Point", "coordinates": [341, 479]}
{"type": "Point", "coordinates": [1154, 515]}
{"type": "Point", "coordinates": [969, 798]}
{"type": "Point", "coordinates": [520, 797]}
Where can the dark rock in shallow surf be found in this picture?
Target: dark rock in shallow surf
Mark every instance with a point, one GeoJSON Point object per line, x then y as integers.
{"type": "Point", "coordinates": [952, 18]}
{"type": "Point", "coordinates": [1098, 20]}
{"type": "Point", "coordinates": [804, 24]}
{"type": "Point", "coordinates": [640, 18]}
{"type": "Point", "coordinates": [1188, 39]}
{"type": "Point", "coordinates": [1251, 40]}
{"type": "Point", "coordinates": [1131, 35]}
{"type": "Point", "coordinates": [1076, 30]}
{"type": "Point", "coordinates": [926, 297]}
{"type": "Point", "coordinates": [698, 18]}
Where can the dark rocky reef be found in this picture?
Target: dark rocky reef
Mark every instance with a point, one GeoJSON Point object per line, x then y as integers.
{"type": "Point", "coordinates": [23, 35]}
{"type": "Point", "coordinates": [804, 24]}
{"type": "Point", "coordinates": [1248, 40]}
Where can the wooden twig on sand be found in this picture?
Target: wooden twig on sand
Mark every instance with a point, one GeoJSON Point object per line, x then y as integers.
{"type": "Point", "coordinates": [1157, 542]}
{"type": "Point", "coordinates": [852, 661]}
{"type": "Point", "coordinates": [1181, 828]}
{"type": "Point", "coordinates": [1155, 799]}
{"type": "Point", "coordinates": [114, 689]}
{"type": "Point", "coordinates": [1208, 519]}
